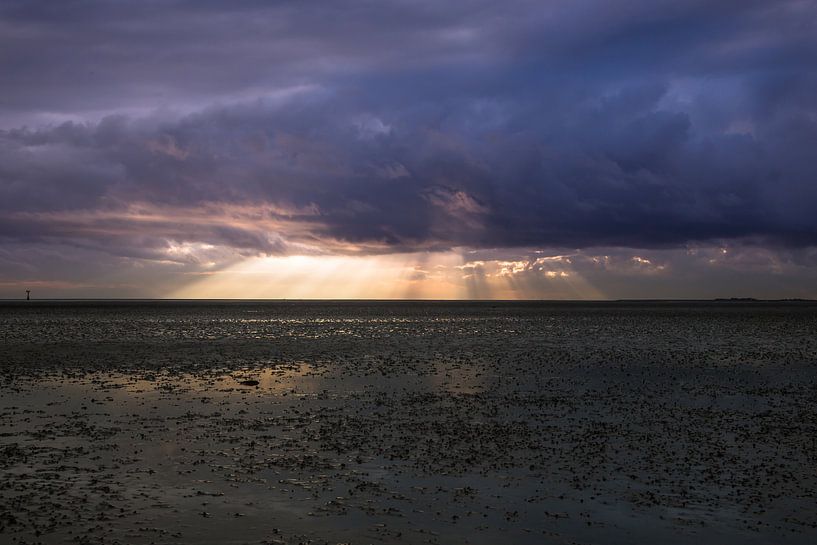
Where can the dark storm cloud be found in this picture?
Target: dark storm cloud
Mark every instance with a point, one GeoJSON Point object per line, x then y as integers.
{"type": "Point", "coordinates": [390, 126]}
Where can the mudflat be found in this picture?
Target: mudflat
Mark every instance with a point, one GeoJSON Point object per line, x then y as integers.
{"type": "Point", "coordinates": [403, 423]}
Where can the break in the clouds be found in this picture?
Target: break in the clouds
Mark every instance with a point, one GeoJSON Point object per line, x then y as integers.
{"type": "Point", "coordinates": [186, 137]}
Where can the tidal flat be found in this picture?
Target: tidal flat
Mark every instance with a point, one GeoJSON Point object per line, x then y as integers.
{"type": "Point", "coordinates": [408, 423]}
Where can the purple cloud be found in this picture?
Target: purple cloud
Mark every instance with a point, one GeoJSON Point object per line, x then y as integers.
{"type": "Point", "coordinates": [268, 129]}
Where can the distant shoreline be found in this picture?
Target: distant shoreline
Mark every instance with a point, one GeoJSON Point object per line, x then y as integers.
{"type": "Point", "coordinates": [398, 301]}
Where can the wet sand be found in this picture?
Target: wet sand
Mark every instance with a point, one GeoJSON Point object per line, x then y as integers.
{"type": "Point", "coordinates": [408, 423]}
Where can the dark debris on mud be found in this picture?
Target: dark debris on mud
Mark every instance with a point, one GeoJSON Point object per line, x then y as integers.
{"type": "Point", "coordinates": [408, 424]}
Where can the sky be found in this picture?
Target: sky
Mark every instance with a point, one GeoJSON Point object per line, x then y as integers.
{"type": "Point", "coordinates": [560, 149]}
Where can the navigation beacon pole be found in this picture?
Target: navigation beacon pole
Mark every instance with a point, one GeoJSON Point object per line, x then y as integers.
{"type": "Point", "coordinates": [28, 295]}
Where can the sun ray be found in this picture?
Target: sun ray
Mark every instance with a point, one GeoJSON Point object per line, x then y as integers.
{"type": "Point", "coordinates": [419, 275]}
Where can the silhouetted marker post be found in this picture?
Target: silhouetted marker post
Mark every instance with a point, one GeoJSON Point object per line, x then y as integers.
{"type": "Point", "coordinates": [28, 295]}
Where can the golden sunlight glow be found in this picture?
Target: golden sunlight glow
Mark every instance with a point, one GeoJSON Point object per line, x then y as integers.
{"type": "Point", "coordinates": [423, 275]}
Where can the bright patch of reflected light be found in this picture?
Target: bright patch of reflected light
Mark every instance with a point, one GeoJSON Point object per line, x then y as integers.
{"type": "Point", "coordinates": [422, 275]}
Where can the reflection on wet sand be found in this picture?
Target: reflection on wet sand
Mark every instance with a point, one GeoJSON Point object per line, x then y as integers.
{"type": "Point", "coordinates": [508, 428]}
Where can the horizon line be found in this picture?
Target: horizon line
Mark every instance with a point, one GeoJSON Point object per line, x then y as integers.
{"type": "Point", "coordinates": [398, 300]}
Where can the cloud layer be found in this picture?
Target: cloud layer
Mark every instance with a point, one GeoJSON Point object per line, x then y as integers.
{"type": "Point", "coordinates": [211, 132]}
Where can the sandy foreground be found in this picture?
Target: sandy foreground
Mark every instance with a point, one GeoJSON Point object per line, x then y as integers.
{"type": "Point", "coordinates": [408, 423]}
